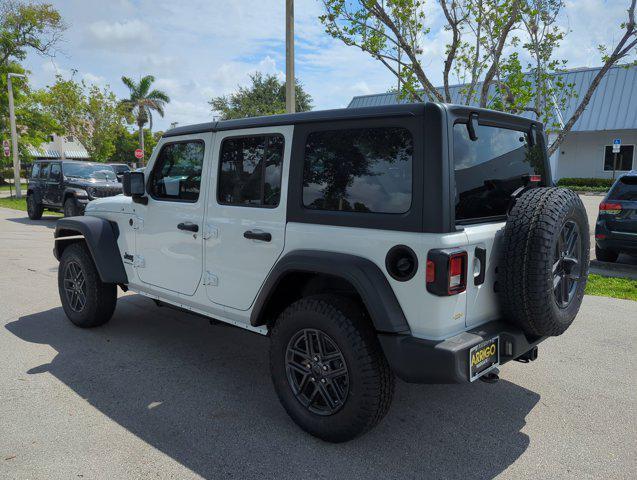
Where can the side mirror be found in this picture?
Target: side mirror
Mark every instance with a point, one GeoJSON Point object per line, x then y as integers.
{"type": "Point", "coordinates": [133, 184]}
{"type": "Point", "coordinates": [472, 127]}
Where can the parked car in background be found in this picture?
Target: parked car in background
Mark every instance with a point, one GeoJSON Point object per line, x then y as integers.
{"type": "Point", "coordinates": [120, 169]}
{"type": "Point", "coordinates": [68, 186]}
{"type": "Point", "coordinates": [616, 228]}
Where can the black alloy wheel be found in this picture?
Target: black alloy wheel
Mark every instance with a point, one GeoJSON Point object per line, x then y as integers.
{"type": "Point", "coordinates": [75, 286]}
{"type": "Point", "coordinates": [317, 372]}
{"type": "Point", "coordinates": [567, 264]}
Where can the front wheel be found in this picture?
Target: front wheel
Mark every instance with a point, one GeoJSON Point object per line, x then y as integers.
{"type": "Point", "coordinates": [70, 208]}
{"type": "Point", "coordinates": [328, 368]}
{"type": "Point", "coordinates": [87, 301]}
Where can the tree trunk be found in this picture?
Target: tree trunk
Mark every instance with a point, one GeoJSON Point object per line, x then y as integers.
{"type": "Point", "coordinates": [141, 144]}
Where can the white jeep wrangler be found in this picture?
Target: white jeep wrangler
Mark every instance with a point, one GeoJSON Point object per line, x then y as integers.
{"type": "Point", "coordinates": [423, 241]}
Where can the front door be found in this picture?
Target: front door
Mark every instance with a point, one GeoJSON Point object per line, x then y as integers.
{"type": "Point", "coordinates": [169, 228]}
{"type": "Point", "coordinates": [54, 188]}
{"type": "Point", "coordinates": [245, 222]}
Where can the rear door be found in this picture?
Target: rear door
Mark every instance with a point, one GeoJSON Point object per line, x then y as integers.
{"type": "Point", "coordinates": [487, 171]}
{"type": "Point", "coordinates": [246, 215]}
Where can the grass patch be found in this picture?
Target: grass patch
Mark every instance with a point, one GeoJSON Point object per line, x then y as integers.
{"type": "Point", "coordinates": [612, 287]}
{"type": "Point", "coordinates": [579, 188]}
{"type": "Point", "coordinates": [5, 188]}
{"type": "Point", "coordinates": [15, 204]}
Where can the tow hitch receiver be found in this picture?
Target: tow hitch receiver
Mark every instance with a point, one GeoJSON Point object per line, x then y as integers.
{"type": "Point", "coordinates": [491, 377]}
{"type": "Point", "coordinates": [529, 356]}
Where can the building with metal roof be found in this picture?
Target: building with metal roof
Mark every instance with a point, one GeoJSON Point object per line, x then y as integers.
{"type": "Point", "coordinates": [610, 116]}
{"type": "Point", "coordinates": [58, 148]}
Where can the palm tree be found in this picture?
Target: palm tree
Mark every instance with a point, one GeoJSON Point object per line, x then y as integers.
{"type": "Point", "coordinates": [142, 102]}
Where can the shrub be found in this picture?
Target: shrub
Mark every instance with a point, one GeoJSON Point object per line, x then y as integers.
{"type": "Point", "coordinates": [585, 182]}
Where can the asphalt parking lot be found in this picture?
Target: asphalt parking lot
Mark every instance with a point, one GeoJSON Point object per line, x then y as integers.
{"type": "Point", "coordinates": [159, 394]}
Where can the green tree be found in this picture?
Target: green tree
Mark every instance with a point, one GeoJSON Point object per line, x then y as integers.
{"type": "Point", "coordinates": [127, 142]}
{"type": "Point", "coordinates": [265, 96]}
{"type": "Point", "coordinates": [90, 113]}
{"type": "Point", "coordinates": [142, 102]}
{"type": "Point", "coordinates": [484, 52]}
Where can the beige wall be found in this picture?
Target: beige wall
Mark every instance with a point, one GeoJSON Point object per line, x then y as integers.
{"type": "Point", "coordinates": [582, 153]}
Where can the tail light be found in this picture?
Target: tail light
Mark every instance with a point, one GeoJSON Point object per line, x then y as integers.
{"type": "Point", "coordinates": [446, 272]}
{"type": "Point", "coordinates": [535, 178]}
{"type": "Point", "coordinates": [610, 208]}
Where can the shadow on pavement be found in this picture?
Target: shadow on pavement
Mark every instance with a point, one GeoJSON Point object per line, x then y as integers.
{"type": "Point", "coordinates": [202, 395]}
{"type": "Point", "coordinates": [46, 220]}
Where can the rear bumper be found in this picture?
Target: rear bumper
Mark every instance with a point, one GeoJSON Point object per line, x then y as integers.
{"type": "Point", "coordinates": [424, 361]}
{"type": "Point", "coordinates": [617, 241]}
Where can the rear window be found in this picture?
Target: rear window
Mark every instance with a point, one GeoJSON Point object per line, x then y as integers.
{"type": "Point", "coordinates": [359, 170]}
{"type": "Point", "coordinates": [490, 169]}
{"type": "Point", "coordinates": [625, 189]}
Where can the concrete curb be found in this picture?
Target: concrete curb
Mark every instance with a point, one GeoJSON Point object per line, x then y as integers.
{"type": "Point", "coordinates": [608, 269]}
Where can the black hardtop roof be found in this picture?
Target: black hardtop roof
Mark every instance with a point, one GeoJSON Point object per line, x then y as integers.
{"type": "Point", "coordinates": [404, 109]}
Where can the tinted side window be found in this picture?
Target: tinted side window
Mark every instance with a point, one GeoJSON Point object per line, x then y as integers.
{"type": "Point", "coordinates": [490, 169]}
{"type": "Point", "coordinates": [44, 170]}
{"type": "Point", "coordinates": [56, 172]}
{"type": "Point", "coordinates": [177, 171]}
{"type": "Point", "coordinates": [35, 172]}
{"type": "Point", "coordinates": [250, 171]}
{"type": "Point", "coordinates": [362, 170]}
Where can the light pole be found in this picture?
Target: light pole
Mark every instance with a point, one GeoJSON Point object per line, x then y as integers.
{"type": "Point", "coordinates": [290, 101]}
{"type": "Point", "coordinates": [14, 135]}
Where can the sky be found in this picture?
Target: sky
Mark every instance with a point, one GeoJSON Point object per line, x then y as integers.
{"type": "Point", "coordinates": [199, 49]}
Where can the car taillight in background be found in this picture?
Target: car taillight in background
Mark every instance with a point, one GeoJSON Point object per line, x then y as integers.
{"type": "Point", "coordinates": [446, 272]}
{"type": "Point", "coordinates": [610, 208]}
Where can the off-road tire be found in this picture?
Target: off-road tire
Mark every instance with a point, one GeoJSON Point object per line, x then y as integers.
{"type": "Point", "coordinates": [525, 271]}
{"type": "Point", "coordinates": [605, 255]}
{"type": "Point", "coordinates": [100, 297]}
{"type": "Point", "coordinates": [34, 209]}
{"type": "Point", "coordinates": [371, 382]}
{"type": "Point", "coordinates": [70, 208]}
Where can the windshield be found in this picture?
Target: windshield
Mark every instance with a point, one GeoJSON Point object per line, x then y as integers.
{"type": "Point", "coordinates": [89, 171]}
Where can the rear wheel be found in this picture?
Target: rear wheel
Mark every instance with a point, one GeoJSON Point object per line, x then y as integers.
{"type": "Point", "coordinates": [605, 255]}
{"type": "Point", "coordinates": [87, 301]}
{"type": "Point", "coordinates": [328, 368]}
{"type": "Point", "coordinates": [70, 208]}
{"type": "Point", "coordinates": [34, 209]}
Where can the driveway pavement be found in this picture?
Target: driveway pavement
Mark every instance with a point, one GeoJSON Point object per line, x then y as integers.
{"type": "Point", "coordinates": [164, 395]}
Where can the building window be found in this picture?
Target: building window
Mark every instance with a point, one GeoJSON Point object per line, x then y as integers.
{"type": "Point", "coordinates": [624, 158]}
{"type": "Point", "coordinates": [70, 139]}
{"type": "Point", "coordinates": [358, 170]}
{"type": "Point", "coordinates": [250, 171]}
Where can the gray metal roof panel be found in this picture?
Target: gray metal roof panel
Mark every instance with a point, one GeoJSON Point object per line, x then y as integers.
{"type": "Point", "coordinates": [613, 105]}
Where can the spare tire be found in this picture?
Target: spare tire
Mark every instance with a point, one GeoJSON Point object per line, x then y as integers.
{"type": "Point", "coordinates": [544, 265]}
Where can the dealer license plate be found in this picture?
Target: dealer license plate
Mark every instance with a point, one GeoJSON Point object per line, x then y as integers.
{"type": "Point", "coordinates": [484, 357]}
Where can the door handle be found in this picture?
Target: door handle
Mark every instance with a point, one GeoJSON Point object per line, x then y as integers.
{"type": "Point", "coordinates": [263, 236]}
{"type": "Point", "coordinates": [191, 227]}
{"type": "Point", "coordinates": [481, 256]}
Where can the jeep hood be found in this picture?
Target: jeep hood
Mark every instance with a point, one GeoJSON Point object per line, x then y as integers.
{"type": "Point", "coordinates": [116, 204]}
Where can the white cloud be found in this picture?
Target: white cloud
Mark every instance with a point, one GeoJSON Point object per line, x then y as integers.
{"type": "Point", "coordinates": [129, 33]}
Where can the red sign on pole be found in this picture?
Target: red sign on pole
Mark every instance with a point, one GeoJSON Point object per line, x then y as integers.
{"type": "Point", "coordinates": [139, 154]}
{"type": "Point", "coordinates": [6, 148]}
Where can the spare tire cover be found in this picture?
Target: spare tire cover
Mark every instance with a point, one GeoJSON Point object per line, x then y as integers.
{"type": "Point", "coordinates": [544, 265]}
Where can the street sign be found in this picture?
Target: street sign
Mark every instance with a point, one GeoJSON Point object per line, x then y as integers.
{"type": "Point", "coordinates": [617, 145]}
{"type": "Point", "coordinates": [139, 153]}
{"type": "Point", "coordinates": [6, 148]}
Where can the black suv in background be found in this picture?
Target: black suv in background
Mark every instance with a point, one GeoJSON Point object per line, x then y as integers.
{"type": "Point", "coordinates": [616, 228]}
{"type": "Point", "coordinates": [67, 186]}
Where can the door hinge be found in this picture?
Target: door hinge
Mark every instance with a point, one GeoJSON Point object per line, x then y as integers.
{"type": "Point", "coordinates": [210, 231]}
{"type": "Point", "coordinates": [210, 279]}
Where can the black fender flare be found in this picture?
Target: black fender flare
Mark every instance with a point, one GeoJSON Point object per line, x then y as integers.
{"type": "Point", "coordinates": [101, 239]}
{"type": "Point", "coordinates": [363, 274]}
